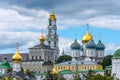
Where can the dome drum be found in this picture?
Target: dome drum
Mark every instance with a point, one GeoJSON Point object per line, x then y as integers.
{"type": "Point", "coordinates": [16, 60]}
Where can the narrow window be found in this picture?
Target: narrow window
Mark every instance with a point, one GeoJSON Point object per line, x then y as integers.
{"type": "Point", "coordinates": [32, 57]}
{"type": "Point", "coordinates": [40, 57]}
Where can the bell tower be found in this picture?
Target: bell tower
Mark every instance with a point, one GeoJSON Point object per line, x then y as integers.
{"type": "Point", "coordinates": [52, 37]}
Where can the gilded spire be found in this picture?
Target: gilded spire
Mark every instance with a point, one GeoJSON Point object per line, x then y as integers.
{"type": "Point", "coordinates": [76, 36]}
{"type": "Point", "coordinates": [17, 57]}
{"type": "Point", "coordinates": [99, 36]}
{"type": "Point", "coordinates": [87, 27]}
{"type": "Point", "coordinates": [52, 16]}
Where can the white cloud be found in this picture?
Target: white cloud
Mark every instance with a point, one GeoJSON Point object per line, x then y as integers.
{"type": "Point", "coordinates": [111, 48]}
{"type": "Point", "coordinates": [110, 22]}
{"type": "Point", "coordinates": [11, 19]}
{"type": "Point", "coordinates": [25, 20]}
{"type": "Point", "coordinates": [29, 39]}
{"type": "Point", "coordinates": [9, 39]}
{"type": "Point", "coordinates": [64, 44]}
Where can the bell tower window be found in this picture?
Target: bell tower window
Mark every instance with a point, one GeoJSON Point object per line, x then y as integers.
{"type": "Point", "coordinates": [36, 57]}
{"type": "Point", "coordinates": [32, 57]}
{"type": "Point", "coordinates": [40, 57]}
{"type": "Point", "coordinates": [49, 42]}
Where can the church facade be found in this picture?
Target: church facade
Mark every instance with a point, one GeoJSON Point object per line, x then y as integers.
{"type": "Point", "coordinates": [88, 50]}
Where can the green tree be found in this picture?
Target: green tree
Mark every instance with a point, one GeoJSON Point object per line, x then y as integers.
{"type": "Point", "coordinates": [76, 77]}
{"type": "Point", "coordinates": [100, 77]}
{"type": "Point", "coordinates": [50, 76]}
{"type": "Point", "coordinates": [60, 77]}
{"type": "Point", "coordinates": [64, 58]}
{"type": "Point", "coordinates": [106, 61]}
{"type": "Point", "coordinates": [107, 72]}
{"type": "Point", "coordinates": [108, 77]}
{"type": "Point", "coordinates": [9, 78]}
{"type": "Point", "coordinates": [89, 74]}
{"type": "Point", "coordinates": [97, 77]}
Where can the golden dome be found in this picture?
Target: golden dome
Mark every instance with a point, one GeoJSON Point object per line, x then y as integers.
{"type": "Point", "coordinates": [42, 38]}
{"type": "Point", "coordinates": [52, 16]}
{"type": "Point", "coordinates": [54, 71]}
{"type": "Point", "coordinates": [87, 37]}
{"type": "Point", "coordinates": [17, 57]}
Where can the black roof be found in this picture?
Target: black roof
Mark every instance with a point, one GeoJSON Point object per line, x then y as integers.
{"type": "Point", "coordinates": [48, 63]}
{"type": "Point", "coordinates": [41, 46]}
{"type": "Point", "coordinates": [8, 56]}
{"type": "Point", "coordinates": [20, 75]}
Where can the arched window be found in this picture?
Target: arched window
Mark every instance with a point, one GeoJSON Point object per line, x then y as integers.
{"type": "Point", "coordinates": [32, 57]}
{"type": "Point", "coordinates": [36, 57]}
{"type": "Point", "coordinates": [55, 43]}
{"type": "Point", "coordinates": [49, 42]}
{"type": "Point", "coordinates": [5, 58]}
{"type": "Point", "coordinates": [40, 57]}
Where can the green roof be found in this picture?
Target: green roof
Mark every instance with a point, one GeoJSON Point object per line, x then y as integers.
{"type": "Point", "coordinates": [110, 66]}
{"type": "Point", "coordinates": [82, 71]}
{"type": "Point", "coordinates": [5, 64]}
{"type": "Point", "coordinates": [1, 73]}
{"type": "Point", "coordinates": [116, 54]}
{"type": "Point", "coordinates": [79, 71]}
{"type": "Point", "coordinates": [65, 72]}
{"type": "Point", "coordinates": [99, 70]}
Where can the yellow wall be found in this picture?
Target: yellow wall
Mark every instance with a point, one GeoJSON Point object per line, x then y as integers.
{"type": "Point", "coordinates": [80, 67]}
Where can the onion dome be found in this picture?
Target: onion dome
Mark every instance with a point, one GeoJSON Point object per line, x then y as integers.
{"type": "Point", "coordinates": [5, 64]}
{"type": "Point", "coordinates": [52, 16]}
{"type": "Point", "coordinates": [42, 39]}
{"type": "Point", "coordinates": [116, 54]}
{"type": "Point", "coordinates": [17, 58]}
{"type": "Point", "coordinates": [54, 71]}
{"type": "Point", "coordinates": [100, 46]}
{"type": "Point", "coordinates": [91, 44]}
{"type": "Point", "coordinates": [87, 37]}
{"type": "Point", "coordinates": [75, 45]}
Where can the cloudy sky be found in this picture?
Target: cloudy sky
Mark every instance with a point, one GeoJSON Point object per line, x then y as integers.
{"type": "Point", "coordinates": [22, 21]}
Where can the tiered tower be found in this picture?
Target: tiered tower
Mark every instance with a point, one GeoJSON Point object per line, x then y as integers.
{"type": "Point", "coordinates": [17, 58]}
{"type": "Point", "coordinates": [52, 37]}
